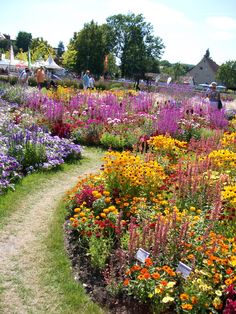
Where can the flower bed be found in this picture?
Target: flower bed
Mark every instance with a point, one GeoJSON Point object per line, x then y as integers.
{"type": "Point", "coordinates": [177, 206]}
{"type": "Point", "coordinates": [118, 119]}
{"type": "Point", "coordinates": [25, 147]}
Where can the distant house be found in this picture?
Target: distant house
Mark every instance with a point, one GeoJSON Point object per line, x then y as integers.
{"type": "Point", "coordinates": [204, 71]}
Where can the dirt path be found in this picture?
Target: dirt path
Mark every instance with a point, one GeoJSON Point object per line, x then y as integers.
{"type": "Point", "coordinates": [21, 245]}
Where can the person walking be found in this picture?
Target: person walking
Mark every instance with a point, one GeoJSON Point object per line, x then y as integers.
{"type": "Point", "coordinates": [24, 77]}
{"type": "Point", "coordinates": [40, 77]}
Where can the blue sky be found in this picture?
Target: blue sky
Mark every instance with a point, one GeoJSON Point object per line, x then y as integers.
{"type": "Point", "coordinates": [187, 27]}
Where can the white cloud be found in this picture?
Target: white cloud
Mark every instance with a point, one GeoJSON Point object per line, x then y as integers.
{"type": "Point", "coordinates": [221, 22]}
{"type": "Point", "coordinates": [222, 35]}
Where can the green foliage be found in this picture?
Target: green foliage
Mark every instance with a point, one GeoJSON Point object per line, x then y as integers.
{"type": "Point", "coordinates": [14, 94]}
{"type": "Point", "coordinates": [23, 41]}
{"type": "Point", "coordinates": [112, 140]}
{"type": "Point", "coordinates": [90, 45]}
{"type": "Point", "coordinates": [134, 44]}
{"type": "Point", "coordinates": [99, 250]}
{"type": "Point", "coordinates": [227, 74]}
{"type": "Point", "coordinates": [5, 45]}
{"type": "Point", "coordinates": [41, 49]}
{"type": "Point", "coordinates": [69, 56]}
{"type": "Point", "coordinates": [30, 156]}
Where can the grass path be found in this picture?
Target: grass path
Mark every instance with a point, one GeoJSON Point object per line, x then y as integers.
{"type": "Point", "coordinates": [27, 254]}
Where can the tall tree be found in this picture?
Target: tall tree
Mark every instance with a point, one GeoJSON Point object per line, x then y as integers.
{"type": "Point", "coordinates": [23, 41]}
{"type": "Point", "coordinates": [60, 49]}
{"type": "Point", "coordinates": [91, 49]}
{"type": "Point", "coordinates": [135, 45]}
{"type": "Point", "coordinates": [227, 74]}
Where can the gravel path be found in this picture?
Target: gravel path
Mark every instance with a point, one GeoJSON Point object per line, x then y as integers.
{"type": "Point", "coordinates": [21, 245]}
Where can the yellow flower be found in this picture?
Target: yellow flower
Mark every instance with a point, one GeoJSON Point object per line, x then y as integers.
{"type": "Point", "coordinates": [106, 193]}
{"type": "Point", "coordinates": [218, 293]}
{"type": "Point", "coordinates": [233, 261]}
{"type": "Point", "coordinates": [170, 284]}
{"type": "Point", "coordinates": [107, 199]}
{"type": "Point", "coordinates": [217, 303]}
{"type": "Point", "coordinates": [158, 290]}
{"type": "Point", "coordinates": [167, 299]}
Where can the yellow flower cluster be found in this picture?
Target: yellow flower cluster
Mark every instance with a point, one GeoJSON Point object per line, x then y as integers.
{"type": "Point", "coordinates": [165, 142]}
{"type": "Point", "coordinates": [61, 93]}
{"type": "Point", "coordinates": [229, 140]}
{"type": "Point", "coordinates": [229, 194]}
{"type": "Point", "coordinates": [131, 171]}
{"type": "Point", "coordinates": [223, 158]}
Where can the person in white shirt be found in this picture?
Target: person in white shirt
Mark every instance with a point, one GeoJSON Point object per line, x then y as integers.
{"type": "Point", "coordinates": [91, 82]}
{"type": "Point", "coordinates": [24, 77]}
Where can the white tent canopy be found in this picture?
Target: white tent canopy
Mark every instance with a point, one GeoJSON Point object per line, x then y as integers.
{"type": "Point", "coordinates": [51, 64]}
{"type": "Point", "coordinates": [2, 37]}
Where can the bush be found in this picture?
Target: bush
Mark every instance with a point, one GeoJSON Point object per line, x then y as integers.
{"type": "Point", "coordinates": [113, 141]}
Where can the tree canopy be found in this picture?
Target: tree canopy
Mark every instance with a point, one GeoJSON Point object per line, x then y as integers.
{"type": "Point", "coordinates": [134, 43]}
{"type": "Point", "coordinates": [91, 46]}
{"type": "Point", "coordinates": [227, 74]}
{"type": "Point", "coordinates": [23, 41]}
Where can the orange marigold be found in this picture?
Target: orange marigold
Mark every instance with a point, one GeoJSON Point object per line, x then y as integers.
{"type": "Point", "coordinates": [184, 296]}
{"type": "Point", "coordinates": [126, 282]}
{"type": "Point", "coordinates": [187, 306]}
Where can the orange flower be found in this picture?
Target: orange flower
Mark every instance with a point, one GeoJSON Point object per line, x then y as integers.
{"type": "Point", "coordinates": [141, 277]}
{"type": "Point", "coordinates": [187, 306]}
{"type": "Point", "coordinates": [144, 270]}
{"type": "Point", "coordinates": [148, 262]}
{"type": "Point", "coordinates": [194, 300]}
{"type": "Point", "coordinates": [126, 282]}
{"type": "Point", "coordinates": [164, 283]}
{"type": "Point", "coordinates": [155, 276]}
{"type": "Point", "coordinates": [229, 271]}
{"type": "Point", "coordinates": [146, 275]}
{"type": "Point", "coordinates": [184, 296]}
{"type": "Point", "coordinates": [228, 281]}
{"type": "Point", "coordinates": [135, 268]}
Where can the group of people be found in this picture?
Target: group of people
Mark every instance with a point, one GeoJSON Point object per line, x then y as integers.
{"type": "Point", "coordinates": [40, 76]}
{"type": "Point", "coordinates": [88, 80]}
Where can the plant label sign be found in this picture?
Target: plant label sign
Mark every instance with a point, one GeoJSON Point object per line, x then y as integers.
{"type": "Point", "coordinates": [184, 270]}
{"type": "Point", "coordinates": [141, 255]}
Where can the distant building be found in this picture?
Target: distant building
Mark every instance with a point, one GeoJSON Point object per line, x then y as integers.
{"type": "Point", "coordinates": [205, 71]}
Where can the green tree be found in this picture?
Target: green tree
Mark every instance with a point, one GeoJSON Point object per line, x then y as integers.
{"type": "Point", "coordinates": [41, 49]}
{"type": "Point", "coordinates": [135, 45]}
{"type": "Point", "coordinates": [90, 45]}
{"type": "Point", "coordinates": [60, 49]}
{"type": "Point", "coordinates": [112, 68]}
{"type": "Point", "coordinates": [227, 74]}
{"type": "Point", "coordinates": [5, 45]}
{"type": "Point", "coordinates": [69, 57]}
{"type": "Point", "coordinates": [23, 41]}
{"type": "Point", "coordinates": [178, 70]}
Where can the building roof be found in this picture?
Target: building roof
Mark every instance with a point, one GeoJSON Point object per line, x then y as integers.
{"type": "Point", "coordinates": [212, 64]}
